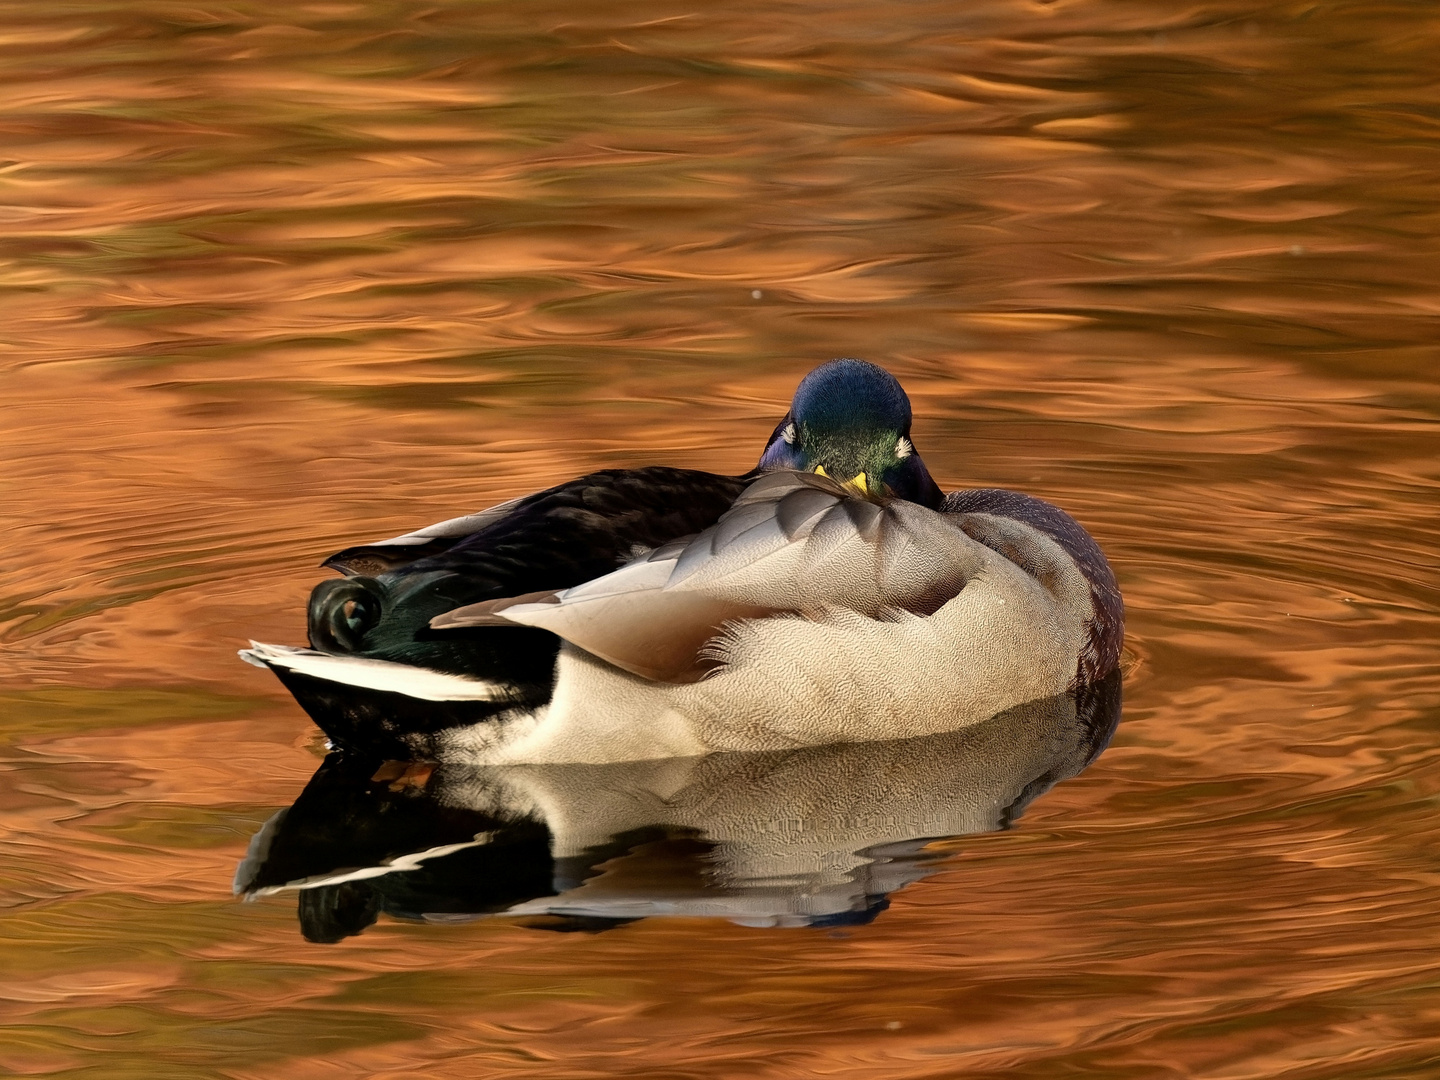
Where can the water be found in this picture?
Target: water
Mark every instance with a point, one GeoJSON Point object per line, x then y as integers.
{"type": "Point", "coordinates": [278, 278]}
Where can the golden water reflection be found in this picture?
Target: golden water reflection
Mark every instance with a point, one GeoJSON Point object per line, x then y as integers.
{"type": "Point", "coordinates": [278, 278]}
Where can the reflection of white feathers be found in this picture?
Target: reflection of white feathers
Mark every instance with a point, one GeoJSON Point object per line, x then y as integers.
{"type": "Point", "coordinates": [411, 860]}
{"type": "Point", "coordinates": [785, 837]}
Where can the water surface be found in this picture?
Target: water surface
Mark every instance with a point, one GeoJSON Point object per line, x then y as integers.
{"type": "Point", "coordinates": [280, 278]}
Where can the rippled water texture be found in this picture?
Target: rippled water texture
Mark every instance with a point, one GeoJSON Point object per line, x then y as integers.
{"type": "Point", "coordinates": [281, 277]}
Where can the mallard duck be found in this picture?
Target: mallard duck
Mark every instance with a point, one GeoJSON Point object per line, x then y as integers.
{"type": "Point", "coordinates": [832, 594]}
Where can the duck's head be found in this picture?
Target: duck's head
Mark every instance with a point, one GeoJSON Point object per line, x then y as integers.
{"type": "Point", "coordinates": [850, 420]}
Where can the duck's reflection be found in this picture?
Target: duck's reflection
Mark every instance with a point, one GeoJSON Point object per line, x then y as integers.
{"type": "Point", "coordinates": [813, 837]}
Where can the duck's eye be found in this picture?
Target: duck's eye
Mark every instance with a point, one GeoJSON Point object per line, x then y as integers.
{"type": "Point", "coordinates": [788, 434]}
{"type": "Point", "coordinates": [903, 449]}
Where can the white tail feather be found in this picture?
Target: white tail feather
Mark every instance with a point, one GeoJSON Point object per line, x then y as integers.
{"type": "Point", "coordinates": [369, 674]}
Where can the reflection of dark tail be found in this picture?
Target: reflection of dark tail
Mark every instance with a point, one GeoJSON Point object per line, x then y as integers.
{"type": "Point", "coordinates": [345, 819]}
{"type": "Point", "coordinates": [342, 612]}
{"type": "Point", "coordinates": [335, 912]}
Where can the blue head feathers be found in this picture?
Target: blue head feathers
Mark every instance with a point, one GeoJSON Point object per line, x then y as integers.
{"type": "Point", "coordinates": [851, 421]}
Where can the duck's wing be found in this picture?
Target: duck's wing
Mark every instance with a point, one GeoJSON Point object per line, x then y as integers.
{"type": "Point", "coordinates": [553, 539]}
{"type": "Point", "coordinates": [791, 543]}
{"type": "Point", "coordinates": [383, 555]}
{"type": "Point", "coordinates": [557, 537]}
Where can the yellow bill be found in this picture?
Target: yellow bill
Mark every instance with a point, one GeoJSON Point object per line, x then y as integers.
{"type": "Point", "coordinates": [856, 483]}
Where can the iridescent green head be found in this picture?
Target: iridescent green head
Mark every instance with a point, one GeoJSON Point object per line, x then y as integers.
{"type": "Point", "coordinates": [850, 420]}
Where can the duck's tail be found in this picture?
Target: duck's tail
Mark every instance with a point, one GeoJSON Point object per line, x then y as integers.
{"type": "Point", "coordinates": [380, 708]}
{"type": "Point", "coordinates": [367, 674]}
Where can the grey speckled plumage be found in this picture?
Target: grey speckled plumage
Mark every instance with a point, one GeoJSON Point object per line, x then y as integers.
{"type": "Point", "coordinates": [793, 543]}
{"type": "Point", "coordinates": [1004, 520]}
{"type": "Point", "coordinates": [658, 612]}
{"type": "Point", "coordinates": [836, 620]}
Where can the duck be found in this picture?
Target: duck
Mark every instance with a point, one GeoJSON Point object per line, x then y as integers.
{"type": "Point", "coordinates": [832, 594]}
